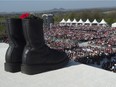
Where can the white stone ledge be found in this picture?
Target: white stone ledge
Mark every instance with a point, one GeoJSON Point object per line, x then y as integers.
{"type": "Point", "coordinates": [75, 75]}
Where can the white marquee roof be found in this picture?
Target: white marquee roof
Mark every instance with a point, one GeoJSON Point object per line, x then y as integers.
{"type": "Point", "coordinates": [87, 21]}
{"type": "Point", "coordinates": [94, 21]}
{"type": "Point", "coordinates": [103, 22]}
{"type": "Point", "coordinates": [68, 21]}
{"type": "Point", "coordinates": [63, 21]}
{"type": "Point", "coordinates": [114, 24]}
{"type": "Point", "coordinates": [74, 21]}
{"type": "Point", "coordinates": [80, 21]}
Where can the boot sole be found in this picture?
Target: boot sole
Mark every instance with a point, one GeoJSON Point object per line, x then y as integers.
{"type": "Point", "coordinates": [36, 69]}
{"type": "Point", "coordinates": [12, 67]}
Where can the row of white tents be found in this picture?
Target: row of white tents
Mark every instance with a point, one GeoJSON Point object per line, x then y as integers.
{"type": "Point", "coordinates": [81, 22]}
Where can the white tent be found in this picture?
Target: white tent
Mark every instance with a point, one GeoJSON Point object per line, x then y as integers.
{"type": "Point", "coordinates": [68, 22]}
{"type": "Point", "coordinates": [63, 22]}
{"type": "Point", "coordinates": [74, 22]}
{"type": "Point", "coordinates": [80, 22]}
{"type": "Point", "coordinates": [103, 23]}
{"type": "Point", "coordinates": [114, 24]}
{"type": "Point", "coordinates": [87, 22]}
{"type": "Point", "coordinates": [95, 22]}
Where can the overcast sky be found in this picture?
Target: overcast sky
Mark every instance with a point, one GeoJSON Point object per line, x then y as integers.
{"type": "Point", "coordinates": [39, 5]}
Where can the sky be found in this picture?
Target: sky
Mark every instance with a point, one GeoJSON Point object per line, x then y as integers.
{"type": "Point", "coordinates": [41, 5]}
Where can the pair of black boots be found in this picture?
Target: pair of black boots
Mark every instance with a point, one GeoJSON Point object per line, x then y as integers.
{"type": "Point", "coordinates": [27, 50]}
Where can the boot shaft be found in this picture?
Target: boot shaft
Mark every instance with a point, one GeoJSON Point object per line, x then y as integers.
{"type": "Point", "coordinates": [15, 32]}
{"type": "Point", "coordinates": [16, 41]}
{"type": "Point", "coordinates": [33, 32]}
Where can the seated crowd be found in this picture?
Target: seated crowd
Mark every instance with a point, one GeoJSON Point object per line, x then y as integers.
{"type": "Point", "coordinates": [100, 48]}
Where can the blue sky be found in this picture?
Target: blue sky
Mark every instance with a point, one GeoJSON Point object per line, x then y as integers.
{"type": "Point", "coordinates": [39, 5]}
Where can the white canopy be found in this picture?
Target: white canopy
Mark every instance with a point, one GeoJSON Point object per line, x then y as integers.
{"type": "Point", "coordinates": [114, 24]}
{"type": "Point", "coordinates": [74, 21]}
{"type": "Point", "coordinates": [80, 21]}
{"type": "Point", "coordinates": [103, 22]}
{"type": "Point", "coordinates": [68, 21]}
{"type": "Point", "coordinates": [87, 22]}
{"type": "Point", "coordinates": [63, 21]}
{"type": "Point", "coordinates": [95, 22]}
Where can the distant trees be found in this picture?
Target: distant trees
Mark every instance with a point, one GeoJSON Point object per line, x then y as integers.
{"type": "Point", "coordinates": [2, 32]}
{"type": "Point", "coordinates": [110, 17]}
{"type": "Point", "coordinates": [2, 27]}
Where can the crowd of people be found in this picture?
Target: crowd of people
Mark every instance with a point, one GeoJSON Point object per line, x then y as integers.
{"type": "Point", "coordinates": [99, 49]}
{"type": "Point", "coordinates": [99, 44]}
{"type": "Point", "coordinates": [3, 39]}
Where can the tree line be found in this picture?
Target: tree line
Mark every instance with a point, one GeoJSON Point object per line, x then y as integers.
{"type": "Point", "coordinates": [110, 17]}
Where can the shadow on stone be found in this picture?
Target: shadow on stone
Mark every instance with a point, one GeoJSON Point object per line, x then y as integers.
{"type": "Point", "coordinates": [72, 63]}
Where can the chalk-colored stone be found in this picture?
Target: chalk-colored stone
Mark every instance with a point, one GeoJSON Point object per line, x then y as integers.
{"type": "Point", "coordinates": [74, 75]}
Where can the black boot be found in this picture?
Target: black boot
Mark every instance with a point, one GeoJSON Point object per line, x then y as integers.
{"type": "Point", "coordinates": [37, 57]}
{"type": "Point", "coordinates": [16, 45]}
